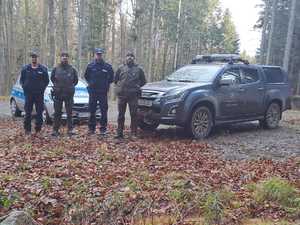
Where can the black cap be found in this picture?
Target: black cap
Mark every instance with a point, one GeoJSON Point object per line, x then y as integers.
{"type": "Point", "coordinates": [33, 54]}
{"type": "Point", "coordinates": [99, 50]}
{"type": "Point", "coordinates": [64, 53]}
{"type": "Point", "coordinates": [130, 54]}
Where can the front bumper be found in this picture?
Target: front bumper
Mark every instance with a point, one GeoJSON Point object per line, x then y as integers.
{"type": "Point", "coordinates": [164, 113]}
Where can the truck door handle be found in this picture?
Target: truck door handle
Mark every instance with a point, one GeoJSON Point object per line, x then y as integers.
{"type": "Point", "coordinates": [241, 89]}
{"type": "Point", "coordinates": [260, 88]}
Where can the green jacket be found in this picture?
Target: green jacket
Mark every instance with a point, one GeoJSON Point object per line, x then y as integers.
{"type": "Point", "coordinates": [129, 80]}
{"type": "Point", "coordinates": [64, 79]}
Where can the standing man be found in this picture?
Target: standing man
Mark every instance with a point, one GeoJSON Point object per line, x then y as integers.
{"type": "Point", "coordinates": [99, 75]}
{"type": "Point", "coordinates": [34, 80]}
{"type": "Point", "coordinates": [129, 79]}
{"type": "Point", "coordinates": [64, 78]}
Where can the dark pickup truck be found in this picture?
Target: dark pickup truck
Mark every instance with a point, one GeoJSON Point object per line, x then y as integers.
{"type": "Point", "coordinates": [215, 90]}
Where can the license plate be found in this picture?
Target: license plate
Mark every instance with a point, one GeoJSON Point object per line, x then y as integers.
{"type": "Point", "coordinates": [145, 102]}
{"type": "Point", "coordinates": [83, 115]}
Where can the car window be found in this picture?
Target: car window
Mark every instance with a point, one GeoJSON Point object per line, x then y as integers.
{"type": "Point", "coordinates": [273, 75]}
{"type": "Point", "coordinates": [234, 73]}
{"type": "Point", "coordinates": [249, 75]}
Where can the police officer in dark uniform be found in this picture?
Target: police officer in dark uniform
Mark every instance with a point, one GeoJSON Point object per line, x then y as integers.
{"type": "Point", "coordinates": [64, 78]}
{"type": "Point", "coordinates": [34, 80]}
{"type": "Point", "coordinates": [129, 79]}
{"type": "Point", "coordinates": [99, 75]}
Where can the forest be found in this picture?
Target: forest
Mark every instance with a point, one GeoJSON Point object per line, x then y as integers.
{"type": "Point", "coordinates": [280, 42]}
{"type": "Point", "coordinates": [241, 175]}
{"type": "Point", "coordinates": [163, 34]}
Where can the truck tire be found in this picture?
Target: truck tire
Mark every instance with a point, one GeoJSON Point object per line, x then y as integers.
{"type": "Point", "coordinates": [201, 122]}
{"type": "Point", "coordinates": [14, 109]}
{"type": "Point", "coordinates": [272, 116]}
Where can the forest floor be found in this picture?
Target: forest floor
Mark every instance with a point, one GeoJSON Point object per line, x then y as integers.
{"type": "Point", "coordinates": [240, 173]}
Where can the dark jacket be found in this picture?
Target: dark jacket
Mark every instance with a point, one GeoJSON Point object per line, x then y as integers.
{"type": "Point", "coordinates": [99, 76]}
{"type": "Point", "coordinates": [34, 81]}
{"type": "Point", "coordinates": [129, 80]}
{"type": "Point", "coordinates": [64, 79]}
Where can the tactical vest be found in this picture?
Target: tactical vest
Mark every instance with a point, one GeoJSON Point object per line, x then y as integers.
{"type": "Point", "coordinates": [64, 81]}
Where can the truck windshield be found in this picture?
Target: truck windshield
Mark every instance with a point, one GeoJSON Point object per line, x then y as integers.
{"type": "Point", "coordinates": [199, 73]}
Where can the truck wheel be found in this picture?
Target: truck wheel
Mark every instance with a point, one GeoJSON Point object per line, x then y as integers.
{"type": "Point", "coordinates": [272, 116]}
{"type": "Point", "coordinates": [147, 125]}
{"type": "Point", "coordinates": [15, 111]}
{"type": "Point", "coordinates": [201, 122]}
{"type": "Point", "coordinates": [46, 117]}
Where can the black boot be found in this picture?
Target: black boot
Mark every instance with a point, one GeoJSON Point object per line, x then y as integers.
{"type": "Point", "coordinates": [119, 135]}
{"type": "Point", "coordinates": [55, 133]}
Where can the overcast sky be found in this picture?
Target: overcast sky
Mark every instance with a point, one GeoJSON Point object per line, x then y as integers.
{"type": "Point", "coordinates": [245, 15]}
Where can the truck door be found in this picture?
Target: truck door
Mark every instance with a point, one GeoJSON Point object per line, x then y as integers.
{"type": "Point", "coordinates": [252, 90]}
{"type": "Point", "coordinates": [230, 103]}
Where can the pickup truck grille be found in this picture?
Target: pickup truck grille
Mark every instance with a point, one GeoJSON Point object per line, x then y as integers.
{"type": "Point", "coordinates": [151, 94]}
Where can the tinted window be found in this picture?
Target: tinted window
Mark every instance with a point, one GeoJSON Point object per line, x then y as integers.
{"type": "Point", "coordinates": [273, 75]}
{"type": "Point", "coordinates": [235, 72]}
{"type": "Point", "coordinates": [249, 75]}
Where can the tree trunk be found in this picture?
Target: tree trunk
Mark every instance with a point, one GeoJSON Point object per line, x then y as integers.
{"type": "Point", "coordinates": [104, 25]}
{"type": "Point", "coordinates": [26, 32]}
{"type": "Point", "coordinates": [263, 44]}
{"type": "Point", "coordinates": [81, 31]}
{"type": "Point", "coordinates": [152, 41]}
{"type": "Point", "coordinates": [11, 43]}
{"type": "Point", "coordinates": [65, 24]}
{"type": "Point", "coordinates": [271, 34]}
{"type": "Point", "coordinates": [51, 33]}
{"type": "Point", "coordinates": [177, 35]}
{"type": "Point", "coordinates": [290, 35]}
{"type": "Point", "coordinates": [2, 48]}
{"type": "Point", "coordinates": [122, 36]}
{"type": "Point", "coordinates": [164, 60]}
{"type": "Point", "coordinates": [44, 48]}
{"type": "Point", "coordinates": [113, 33]}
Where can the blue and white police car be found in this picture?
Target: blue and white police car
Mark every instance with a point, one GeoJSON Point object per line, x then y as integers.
{"type": "Point", "coordinates": [80, 107]}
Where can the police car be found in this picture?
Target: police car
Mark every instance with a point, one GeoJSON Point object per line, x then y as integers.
{"type": "Point", "coordinates": [80, 107]}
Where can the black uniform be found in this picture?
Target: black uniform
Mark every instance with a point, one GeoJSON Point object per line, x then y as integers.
{"type": "Point", "coordinates": [64, 79]}
{"type": "Point", "coordinates": [99, 76]}
{"type": "Point", "coordinates": [129, 79]}
{"type": "Point", "coordinates": [34, 82]}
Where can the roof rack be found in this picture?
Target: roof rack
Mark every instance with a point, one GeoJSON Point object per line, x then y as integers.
{"type": "Point", "coordinates": [229, 58]}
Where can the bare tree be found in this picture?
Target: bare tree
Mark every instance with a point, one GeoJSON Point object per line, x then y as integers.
{"type": "Point", "coordinates": [2, 48]}
{"type": "Point", "coordinates": [264, 39]}
{"type": "Point", "coordinates": [43, 36]}
{"type": "Point", "coordinates": [289, 38]}
{"type": "Point", "coordinates": [152, 40]}
{"type": "Point", "coordinates": [51, 33]}
{"type": "Point", "coordinates": [272, 30]}
{"type": "Point", "coordinates": [177, 34]}
{"type": "Point", "coordinates": [65, 24]}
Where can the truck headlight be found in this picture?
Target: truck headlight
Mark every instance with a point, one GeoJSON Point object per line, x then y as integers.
{"type": "Point", "coordinates": [175, 97]}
